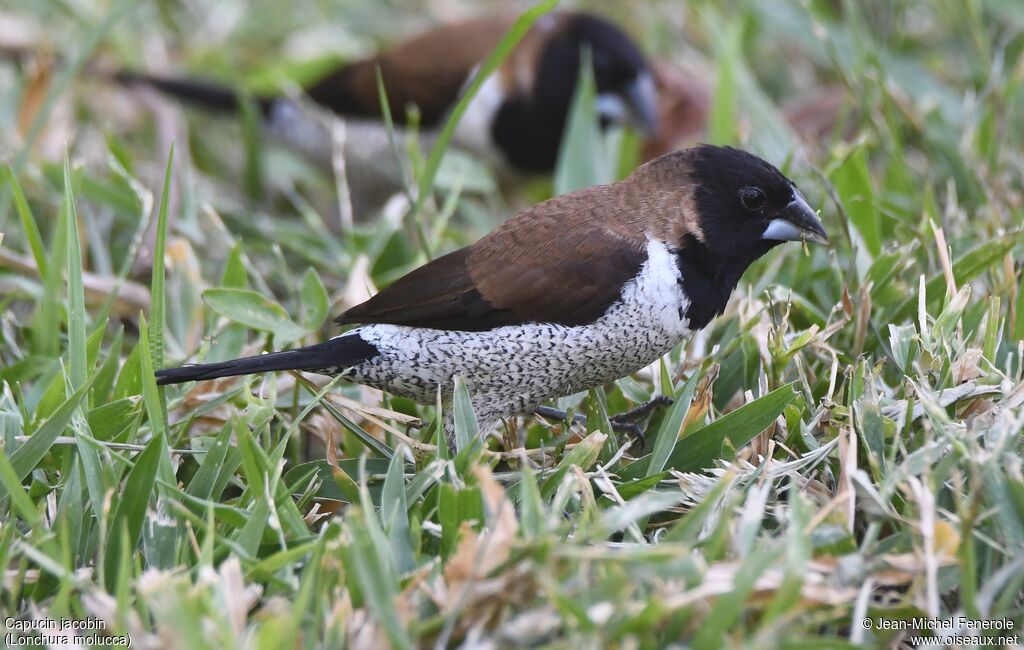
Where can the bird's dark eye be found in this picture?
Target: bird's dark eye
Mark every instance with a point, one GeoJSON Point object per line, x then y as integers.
{"type": "Point", "coordinates": [752, 198]}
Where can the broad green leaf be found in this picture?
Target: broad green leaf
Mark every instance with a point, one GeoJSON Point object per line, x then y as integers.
{"type": "Point", "coordinates": [110, 419]}
{"type": "Point", "coordinates": [254, 310]}
{"type": "Point", "coordinates": [314, 300]}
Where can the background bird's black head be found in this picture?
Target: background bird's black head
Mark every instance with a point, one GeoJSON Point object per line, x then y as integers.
{"type": "Point", "coordinates": [528, 129]}
{"type": "Point", "coordinates": [624, 84]}
{"type": "Point", "coordinates": [616, 59]}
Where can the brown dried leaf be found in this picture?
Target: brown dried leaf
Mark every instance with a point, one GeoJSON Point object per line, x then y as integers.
{"type": "Point", "coordinates": [967, 367]}
{"type": "Point", "coordinates": [846, 302]}
{"type": "Point", "coordinates": [702, 399]}
{"type": "Point", "coordinates": [37, 87]}
{"type": "Point", "coordinates": [478, 554]}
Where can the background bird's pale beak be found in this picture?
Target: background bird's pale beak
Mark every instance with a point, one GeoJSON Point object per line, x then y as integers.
{"type": "Point", "coordinates": [641, 99]}
{"type": "Point", "coordinates": [796, 221]}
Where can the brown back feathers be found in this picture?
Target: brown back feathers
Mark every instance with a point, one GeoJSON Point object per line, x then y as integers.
{"type": "Point", "coordinates": [563, 261]}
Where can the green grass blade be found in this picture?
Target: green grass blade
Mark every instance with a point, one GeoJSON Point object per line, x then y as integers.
{"type": "Point", "coordinates": [466, 429]}
{"type": "Point", "coordinates": [28, 223]}
{"type": "Point", "coordinates": [46, 330]}
{"type": "Point", "coordinates": [723, 114]}
{"type": "Point", "coordinates": [10, 486]}
{"type": "Point", "coordinates": [202, 483]}
{"type": "Point", "coordinates": [395, 515]}
{"type": "Point", "coordinates": [671, 427]}
{"type": "Point", "coordinates": [364, 437]}
{"type": "Point", "coordinates": [699, 449]}
{"type": "Point", "coordinates": [157, 289]}
{"type": "Point", "coordinates": [126, 523]}
{"type": "Point", "coordinates": [582, 160]}
{"type": "Point", "coordinates": [583, 456]}
{"type": "Point", "coordinates": [152, 398]}
{"type": "Point", "coordinates": [852, 181]}
{"type": "Point", "coordinates": [76, 291]}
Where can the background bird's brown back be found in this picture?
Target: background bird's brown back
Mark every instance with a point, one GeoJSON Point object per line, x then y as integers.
{"type": "Point", "coordinates": [428, 71]}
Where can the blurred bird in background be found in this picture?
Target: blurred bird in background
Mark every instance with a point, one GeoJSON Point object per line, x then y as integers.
{"type": "Point", "coordinates": [514, 123]}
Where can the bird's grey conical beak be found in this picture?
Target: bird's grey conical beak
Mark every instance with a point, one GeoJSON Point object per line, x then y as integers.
{"type": "Point", "coordinates": [796, 221]}
{"type": "Point", "coordinates": [641, 99]}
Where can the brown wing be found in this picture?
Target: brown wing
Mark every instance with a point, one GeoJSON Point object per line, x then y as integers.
{"type": "Point", "coordinates": [428, 70]}
{"type": "Point", "coordinates": [563, 261]}
{"type": "Point", "coordinates": [439, 294]}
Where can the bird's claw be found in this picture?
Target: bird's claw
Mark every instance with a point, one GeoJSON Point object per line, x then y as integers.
{"type": "Point", "coordinates": [622, 423]}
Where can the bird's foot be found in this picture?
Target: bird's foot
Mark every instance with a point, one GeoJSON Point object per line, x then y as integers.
{"type": "Point", "coordinates": [630, 420]}
{"type": "Point", "coordinates": [621, 423]}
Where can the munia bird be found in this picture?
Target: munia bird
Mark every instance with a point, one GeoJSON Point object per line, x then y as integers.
{"type": "Point", "coordinates": [514, 123]}
{"type": "Point", "coordinates": [571, 294]}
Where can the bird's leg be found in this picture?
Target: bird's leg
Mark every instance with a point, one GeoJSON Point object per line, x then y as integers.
{"type": "Point", "coordinates": [449, 433]}
{"type": "Point", "coordinates": [558, 414]}
{"type": "Point", "coordinates": [641, 411]}
{"type": "Point", "coordinates": [617, 426]}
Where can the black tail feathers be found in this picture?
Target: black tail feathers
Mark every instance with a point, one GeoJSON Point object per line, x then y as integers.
{"type": "Point", "coordinates": [202, 93]}
{"type": "Point", "coordinates": [334, 355]}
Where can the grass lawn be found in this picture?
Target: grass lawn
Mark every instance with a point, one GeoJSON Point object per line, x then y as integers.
{"type": "Point", "coordinates": [842, 458]}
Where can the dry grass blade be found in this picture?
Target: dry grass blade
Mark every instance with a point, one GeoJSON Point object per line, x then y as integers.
{"type": "Point", "coordinates": [129, 297]}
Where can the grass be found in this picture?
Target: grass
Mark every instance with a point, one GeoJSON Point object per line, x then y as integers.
{"type": "Point", "coordinates": [845, 444]}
